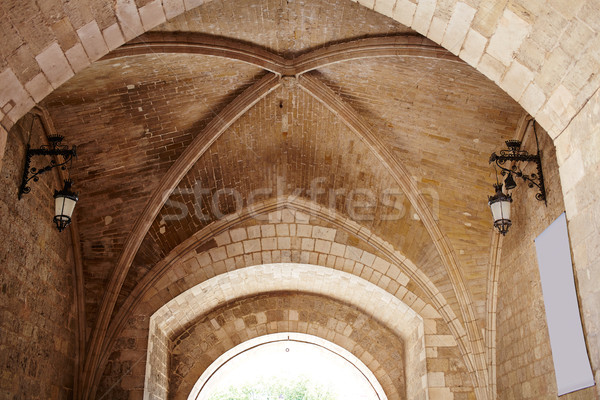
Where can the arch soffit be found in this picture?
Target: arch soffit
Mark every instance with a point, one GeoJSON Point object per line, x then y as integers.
{"type": "Point", "coordinates": [197, 148]}
{"type": "Point", "coordinates": [355, 337]}
{"type": "Point", "coordinates": [175, 316]}
{"type": "Point", "coordinates": [161, 276]}
{"type": "Point", "coordinates": [381, 46]}
{"type": "Point", "coordinates": [272, 208]}
{"type": "Point", "coordinates": [183, 310]}
{"type": "Point", "coordinates": [455, 32]}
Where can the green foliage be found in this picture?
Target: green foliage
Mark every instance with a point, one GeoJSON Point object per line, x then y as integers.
{"type": "Point", "coordinates": [300, 388]}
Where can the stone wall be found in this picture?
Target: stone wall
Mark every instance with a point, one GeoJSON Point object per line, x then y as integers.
{"type": "Point", "coordinates": [534, 50]}
{"type": "Point", "coordinates": [222, 329]}
{"type": "Point", "coordinates": [577, 151]}
{"type": "Point", "coordinates": [525, 368]}
{"type": "Point", "coordinates": [448, 377]}
{"type": "Point", "coordinates": [176, 316]}
{"type": "Point", "coordinates": [37, 319]}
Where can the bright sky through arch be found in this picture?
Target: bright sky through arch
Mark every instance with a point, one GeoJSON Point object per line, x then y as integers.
{"type": "Point", "coordinates": [288, 360]}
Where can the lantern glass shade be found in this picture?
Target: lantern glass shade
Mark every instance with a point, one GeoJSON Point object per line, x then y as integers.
{"type": "Point", "coordinates": [500, 210]}
{"type": "Point", "coordinates": [64, 204]}
{"type": "Point", "coordinates": [500, 206]}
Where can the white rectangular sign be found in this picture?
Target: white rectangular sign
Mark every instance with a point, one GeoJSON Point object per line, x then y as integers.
{"type": "Point", "coordinates": [571, 362]}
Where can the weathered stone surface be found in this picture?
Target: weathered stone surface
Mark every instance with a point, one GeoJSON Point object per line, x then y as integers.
{"type": "Point", "coordinates": [304, 313]}
{"type": "Point", "coordinates": [133, 116]}
{"type": "Point", "coordinates": [37, 321]}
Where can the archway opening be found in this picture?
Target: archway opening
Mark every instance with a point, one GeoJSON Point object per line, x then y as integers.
{"type": "Point", "coordinates": [190, 332]}
{"type": "Point", "coordinates": [284, 361]}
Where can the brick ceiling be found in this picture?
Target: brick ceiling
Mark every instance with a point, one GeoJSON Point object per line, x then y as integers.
{"type": "Point", "coordinates": [133, 116]}
{"type": "Point", "coordinates": [287, 28]}
{"type": "Point", "coordinates": [442, 120]}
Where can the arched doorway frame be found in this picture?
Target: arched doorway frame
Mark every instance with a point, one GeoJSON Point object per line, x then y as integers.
{"type": "Point", "coordinates": [283, 337]}
{"type": "Point", "coordinates": [172, 317]}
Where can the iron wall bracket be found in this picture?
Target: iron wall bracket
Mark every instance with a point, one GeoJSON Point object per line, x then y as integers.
{"type": "Point", "coordinates": [53, 149]}
{"type": "Point", "coordinates": [515, 155]}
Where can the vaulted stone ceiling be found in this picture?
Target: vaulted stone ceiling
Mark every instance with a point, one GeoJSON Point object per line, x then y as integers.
{"type": "Point", "coordinates": [389, 111]}
{"type": "Point", "coordinates": [123, 135]}
{"type": "Point", "coordinates": [286, 28]}
{"type": "Point", "coordinates": [315, 158]}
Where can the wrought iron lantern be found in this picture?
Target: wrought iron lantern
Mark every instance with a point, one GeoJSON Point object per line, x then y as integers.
{"type": "Point", "coordinates": [64, 204]}
{"type": "Point", "coordinates": [64, 199]}
{"type": "Point", "coordinates": [500, 205]}
{"type": "Point", "coordinates": [500, 202]}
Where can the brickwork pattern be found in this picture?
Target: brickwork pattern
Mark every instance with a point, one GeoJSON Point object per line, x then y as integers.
{"type": "Point", "coordinates": [37, 318]}
{"type": "Point", "coordinates": [218, 331]}
{"type": "Point", "coordinates": [129, 129]}
{"type": "Point", "coordinates": [541, 53]}
{"type": "Point", "coordinates": [524, 359]}
{"type": "Point", "coordinates": [413, 106]}
{"type": "Point", "coordinates": [290, 30]}
{"type": "Point", "coordinates": [195, 268]}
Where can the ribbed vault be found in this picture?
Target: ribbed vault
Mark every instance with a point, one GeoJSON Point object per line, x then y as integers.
{"type": "Point", "coordinates": [467, 118]}
{"type": "Point", "coordinates": [130, 124]}
{"type": "Point", "coordinates": [160, 111]}
{"type": "Point", "coordinates": [258, 159]}
{"type": "Point", "coordinates": [201, 124]}
{"type": "Point", "coordinates": [284, 231]}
